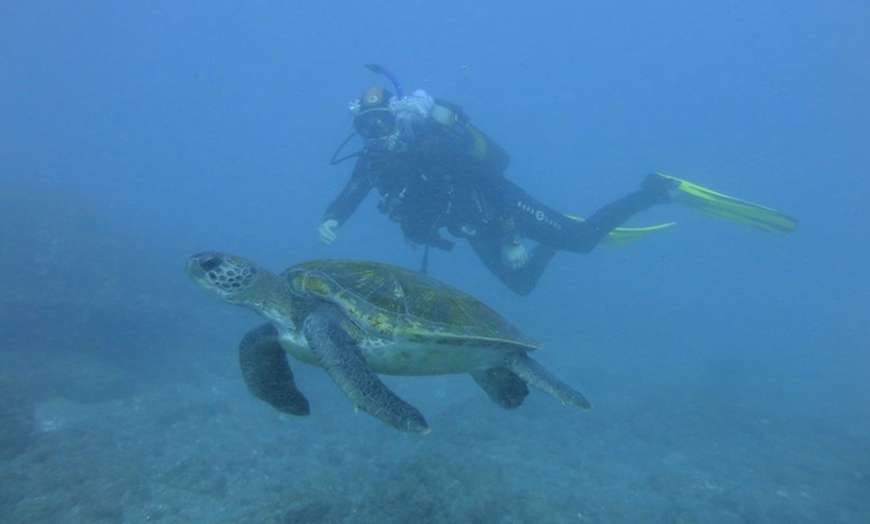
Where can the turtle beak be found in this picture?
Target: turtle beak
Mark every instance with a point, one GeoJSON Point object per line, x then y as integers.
{"type": "Point", "coordinates": [199, 265]}
{"type": "Point", "coordinates": [193, 266]}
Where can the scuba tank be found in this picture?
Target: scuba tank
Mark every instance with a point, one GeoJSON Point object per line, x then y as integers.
{"type": "Point", "coordinates": [492, 157]}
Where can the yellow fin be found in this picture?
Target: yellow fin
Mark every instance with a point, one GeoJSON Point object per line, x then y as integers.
{"type": "Point", "coordinates": [622, 236]}
{"type": "Point", "coordinates": [729, 208]}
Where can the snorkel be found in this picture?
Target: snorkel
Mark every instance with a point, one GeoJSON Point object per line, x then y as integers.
{"type": "Point", "coordinates": [375, 68]}
{"type": "Point", "coordinates": [409, 110]}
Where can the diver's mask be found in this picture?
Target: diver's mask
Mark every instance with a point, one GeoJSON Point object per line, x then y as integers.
{"type": "Point", "coordinates": [373, 117]}
{"type": "Point", "coordinates": [375, 123]}
{"type": "Point", "coordinates": [388, 123]}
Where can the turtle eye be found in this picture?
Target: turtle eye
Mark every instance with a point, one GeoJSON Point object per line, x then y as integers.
{"type": "Point", "coordinates": [210, 263]}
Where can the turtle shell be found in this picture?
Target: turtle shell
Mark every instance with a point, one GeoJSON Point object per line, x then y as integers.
{"type": "Point", "coordinates": [397, 304]}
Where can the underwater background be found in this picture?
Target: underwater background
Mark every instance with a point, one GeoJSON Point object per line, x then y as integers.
{"type": "Point", "coordinates": [729, 368]}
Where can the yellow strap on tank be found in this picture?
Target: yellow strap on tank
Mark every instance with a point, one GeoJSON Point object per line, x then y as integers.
{"type": "Point", "coordinates": [446, 116]}
{"type": "Point", "coordinates": [479, 149]}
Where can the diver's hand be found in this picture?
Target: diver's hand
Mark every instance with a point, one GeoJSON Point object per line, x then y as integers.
{"type": "Point", "coordinates": [514, 255]}
{"type": "Point", "coordinates": [327, 231]}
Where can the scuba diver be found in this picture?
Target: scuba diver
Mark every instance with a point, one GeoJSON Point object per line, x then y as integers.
{"type": "Point", "coordinates": [435, 171]}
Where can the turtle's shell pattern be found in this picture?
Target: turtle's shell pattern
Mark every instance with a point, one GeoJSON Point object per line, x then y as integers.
{"type": "Point", "coordinates": [396, 304]}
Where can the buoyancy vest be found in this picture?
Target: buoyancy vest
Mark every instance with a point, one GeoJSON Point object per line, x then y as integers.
{"type": "Point", "coordinates": [442, 181]}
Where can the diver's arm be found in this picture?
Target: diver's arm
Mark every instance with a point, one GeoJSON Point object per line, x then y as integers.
{"type": "Point", "coordinates": [358, 186]}
{"type": "Point", "coordinates": [339, 211]}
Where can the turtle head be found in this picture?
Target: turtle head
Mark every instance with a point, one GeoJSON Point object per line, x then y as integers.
{"type": "Point", "coordinates": [223, 276]}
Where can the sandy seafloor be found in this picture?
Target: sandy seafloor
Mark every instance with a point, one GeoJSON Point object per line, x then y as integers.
{"type": "Point", "coordinates": [205, 451]}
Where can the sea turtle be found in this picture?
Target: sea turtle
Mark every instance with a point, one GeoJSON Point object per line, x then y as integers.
{"type": "Point", "coordinates": [356, 319]}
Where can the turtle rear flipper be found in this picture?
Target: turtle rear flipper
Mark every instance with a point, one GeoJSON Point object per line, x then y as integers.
{"type": "Point", "coordinates": [345, 365]}
{"type": "Point", "coordinates": [502, 385]}
{"type": "Point", "coordinates": [267, 373]}
{"type": "Point", "coordinates": [536, 376]}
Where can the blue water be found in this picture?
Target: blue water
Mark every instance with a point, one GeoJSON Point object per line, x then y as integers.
{"type": "Point", "coordinates": [728, 367]}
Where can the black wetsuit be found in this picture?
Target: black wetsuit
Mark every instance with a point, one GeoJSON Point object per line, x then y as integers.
{"type": "Point", "coordinates": [452, 177]}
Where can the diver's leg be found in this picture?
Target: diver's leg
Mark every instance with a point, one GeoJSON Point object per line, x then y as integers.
{"type": "Point", "coordinates": [585, 235]}
{"type": "Point", "coordinates": [548, 226]}
{"type": "Point", "coordinates": [487, 245]}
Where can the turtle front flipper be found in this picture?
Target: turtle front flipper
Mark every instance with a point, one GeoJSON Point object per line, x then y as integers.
{"type": "Point", "coordinates": [339, 355]}
{"type": "Point", "coordinates": [536, 376]}
{"type": "Point", "coordinates": [502, 385]}
{"type": "Point", "coordinates": [267, 373]}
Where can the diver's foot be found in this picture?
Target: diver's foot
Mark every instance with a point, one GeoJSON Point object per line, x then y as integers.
{"type": "Point", "coordinates": [660, 188]}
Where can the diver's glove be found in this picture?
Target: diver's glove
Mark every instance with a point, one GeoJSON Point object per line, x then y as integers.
{"type": "Point", "coordinates": [327, 231]}
{"type": "Point", "coordinates": [660, 189]}
{"type": "Point", "coordinates": [514, 255]}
